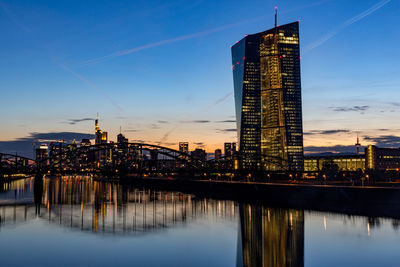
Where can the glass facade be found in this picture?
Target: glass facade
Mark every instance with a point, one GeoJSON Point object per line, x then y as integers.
{"type": "Point", "coordinates": [266, 71]}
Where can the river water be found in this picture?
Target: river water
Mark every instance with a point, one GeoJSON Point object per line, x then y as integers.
{"type": "Point", "coordinates": [75, 221]}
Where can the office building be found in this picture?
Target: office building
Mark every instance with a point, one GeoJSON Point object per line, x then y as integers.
{"type": "Point", "coordinates": [229, 150]}
{"type": "Point", "coordinates": [218, 154]}
{"type": "Point", "coordinates": [344, 162]}
{"type": "Point", "coordinates": [121, 138]}
{"type": "Point", "coordinates": [199, 153]}
{"type": "Point", "coordinates": [42, 153]}
{"type": "Point", "coordinates": [383, 159]}
{"type": "Point", "coordinates": [184, 147]}
{"type": "Point", "coordinates": [267, 86]}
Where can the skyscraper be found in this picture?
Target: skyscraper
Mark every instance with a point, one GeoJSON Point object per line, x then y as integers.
{"type": "Point", "coordinates": [266, 75]}
{"type": "Point", "coordinates": [184, 147]}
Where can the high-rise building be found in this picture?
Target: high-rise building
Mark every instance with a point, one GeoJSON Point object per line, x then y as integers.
{"type": "Point", "coordinates": [266, 75]}
{"type": "Point", "coordinates": [199, 153]}
{"type": "Point", "coordinates": [217, 154]}
{"type": "Point", "coordinates": [184, 147]}
{"type": "Point", "coordinates": [121, 138]}
{"type": "Point", "coordinates": [229, 150]}
{"type": "Point", "coordinates": [41, 154]}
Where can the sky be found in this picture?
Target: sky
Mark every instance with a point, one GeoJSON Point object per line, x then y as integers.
{"type": "Point", "coordinates": [162, 70]}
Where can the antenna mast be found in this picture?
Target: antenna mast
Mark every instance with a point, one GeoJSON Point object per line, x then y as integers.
{"type": "Point", "coordinates": [276, 16]}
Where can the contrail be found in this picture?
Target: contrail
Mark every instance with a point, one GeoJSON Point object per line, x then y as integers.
{"type": "Point", "coordinates": [219, 101]}
{"type": "Point", "coordinates": [163, 42]}
{"type": "Point", "coordinates": [188, 36]}
{"type": "Point", "coordinates": [80, 77]}
{"type": "Point", "coordinates": [165, 137]}
{"type": "Point", "coordinates": [345, 25]}
{"type": "Point", "coordinates": [57, 62]}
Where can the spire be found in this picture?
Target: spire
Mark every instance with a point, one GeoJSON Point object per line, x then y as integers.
{"type": "Point", "coordinates": [276, 16]}
{"type": "Point", "coordinates": [96, 123]}
{"type": "Point", "coordinates": [358, 145]}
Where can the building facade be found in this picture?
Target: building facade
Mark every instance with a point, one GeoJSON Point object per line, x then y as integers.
{"type": "Point", "coordinates": [229, 150]}
{"type": "Point", "coordinates": [184, 147]}
{"type": "Point", "coordinates": [383, 159]}
{"type": "Point", "coordinates": [344, 162]}
{"type": "Point", "coordinates": [267, 85]}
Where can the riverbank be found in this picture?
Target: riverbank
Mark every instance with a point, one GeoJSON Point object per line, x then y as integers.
{"type": "Point", "coordinates": [371, 201]}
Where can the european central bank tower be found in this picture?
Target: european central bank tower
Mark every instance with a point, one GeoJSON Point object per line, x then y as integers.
{"type": "Point", "coordinates": [266, 77]}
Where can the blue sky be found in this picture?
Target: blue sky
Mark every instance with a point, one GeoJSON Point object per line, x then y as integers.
{"type": "Point", "coordinates": [162, 70]}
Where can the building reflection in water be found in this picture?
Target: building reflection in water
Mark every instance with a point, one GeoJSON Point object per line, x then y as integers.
{"type": "Point", "coordinates": [87, 205]}
{"type": "Point", "coordinates": [270, 236]}
{"type": "Point", "coordinates": [266, 236]}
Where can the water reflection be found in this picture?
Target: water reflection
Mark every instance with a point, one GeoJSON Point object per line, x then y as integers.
{"type": "Point", "coordinates": [270, 237]}
{"type": "Point", "coordinates": [88, 205]}
{"type": "Point", "coordinates": [265, 236]}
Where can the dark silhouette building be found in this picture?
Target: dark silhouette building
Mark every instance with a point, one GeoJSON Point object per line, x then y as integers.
{"type": "Point", "coordinates": [267, 85]}
{"type": "Point", "coordinates": [199, 153]}
{"type": "Point", "coordinates": [218, 154]}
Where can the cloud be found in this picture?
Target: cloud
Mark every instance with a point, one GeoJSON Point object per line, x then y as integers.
{"type": "Point", "coordinates": [154, 126]}
{"type": "Point", "coordinates": [384, 140]}
{"type": "Point", "coordinates": [137, 141]}
{"type": "Point", "coordinates": [162, 121]}
{"type": "Point", "coordinates": [337, 149]}
{"type": "Point", "coordinates": [346, 24]}
{"type": "Point", "coordinates": [326, 132]}
{"type": "Point", "coordinates": [199, 144]}
{"type": "Point", "coordinates": [24, 146]}
{"type": "Point", "coordinates": [226, 121]}
{"type": "Point", "coordinates": [131, 131]}
{"type": "Point", "coordinates": [353, 108]}
{"type": "Point", "coordinates": [196, 121]}
{"type": "Point", "coordinates": [75, 121]}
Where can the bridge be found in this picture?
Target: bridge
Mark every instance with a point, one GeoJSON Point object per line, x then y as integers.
{"type": "Point", "coordinates": [106, 158]}
{"type": "Point", "coordinates": [118, 159]}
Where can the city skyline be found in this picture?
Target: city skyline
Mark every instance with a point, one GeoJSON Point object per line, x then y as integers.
{"type": "Point", "coordinates": [128, 80]}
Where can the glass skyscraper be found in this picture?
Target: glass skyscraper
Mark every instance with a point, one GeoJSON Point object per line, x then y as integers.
{"type": "Point", "coordinates": [266, 75]}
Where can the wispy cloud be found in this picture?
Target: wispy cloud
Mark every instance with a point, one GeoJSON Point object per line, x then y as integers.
{"type": "Point", "coordinates": [384, 140]}
{"type": "Point", "coordinates": [24, 146]}
{"type": "Point", "coordinates": [226, 121]}
{"type": "Point", "coordinates": [346, 24]}
{"type": "Point", "coordinates": [347, 109]}
{"type": "Point", "coordinates": [162, 121]}
{"type": "Point", "coordinates": [337, 149]}
{"type": "Point", "coordinates": [326, 132]}
{"type": "Point", "coordinates": [196, 121]}
{"type": "Point", "coordinates": [75, 121]}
